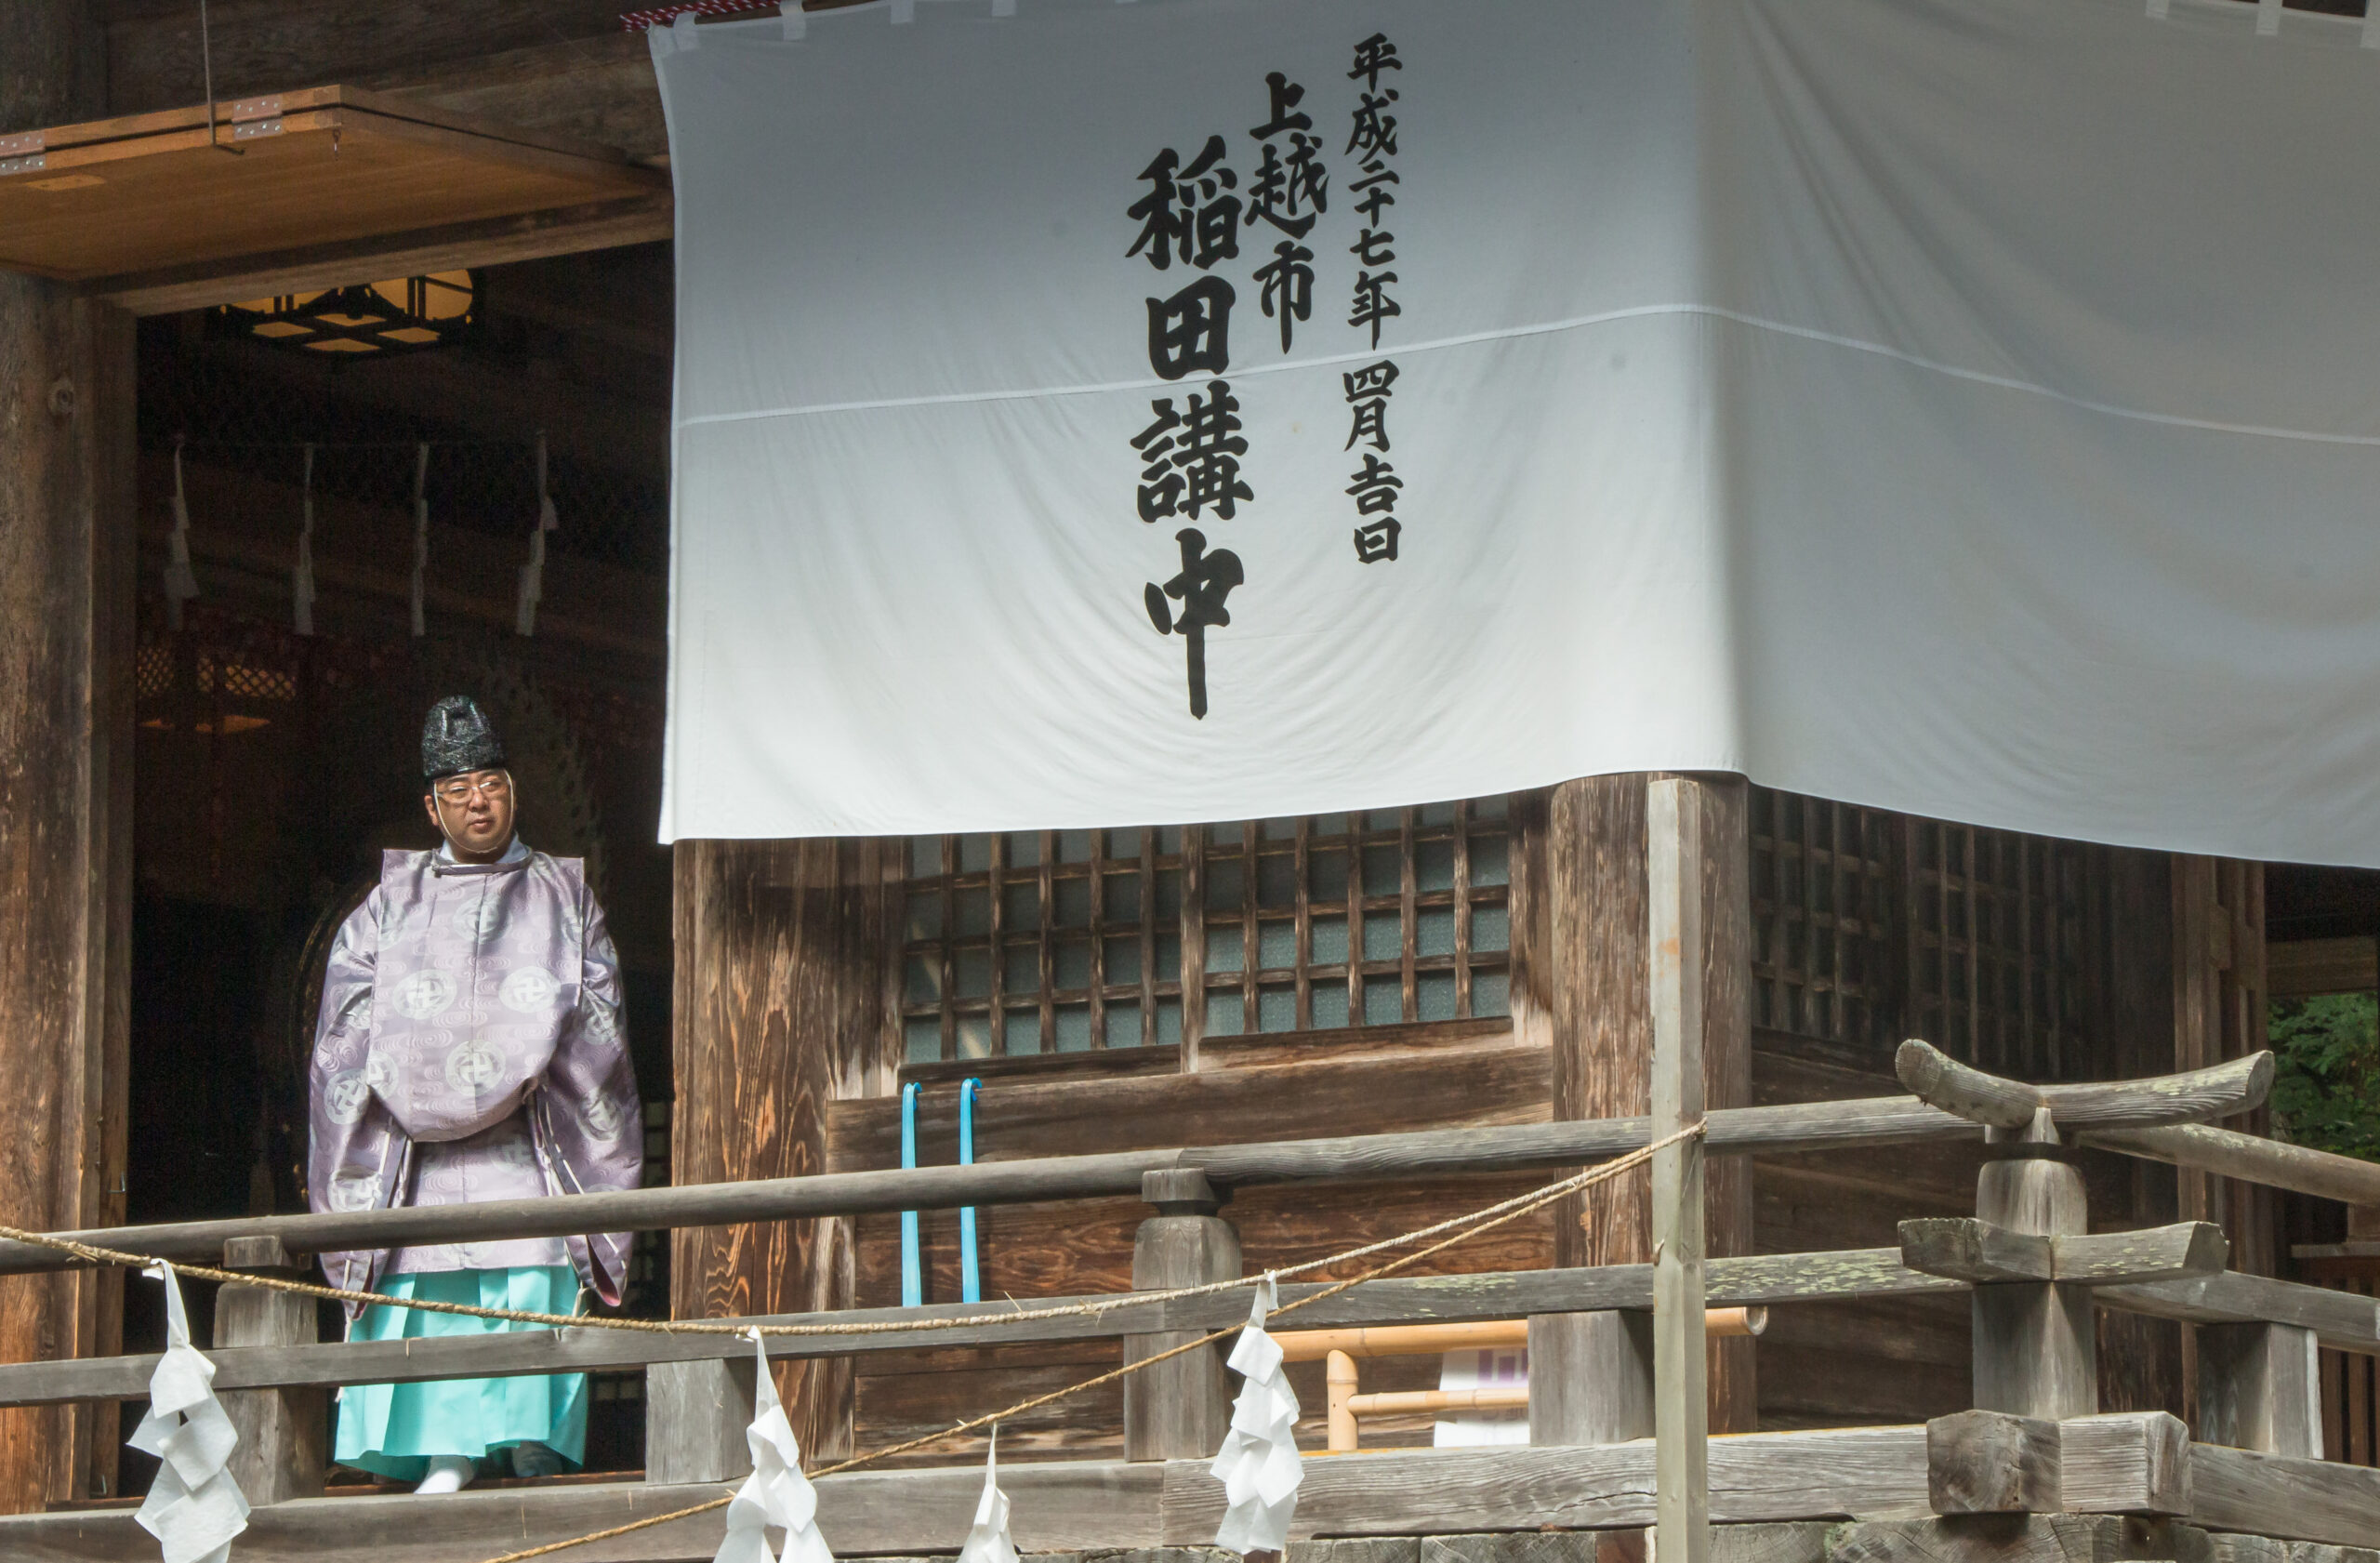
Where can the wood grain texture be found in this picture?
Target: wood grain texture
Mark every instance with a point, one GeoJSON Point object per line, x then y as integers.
{"type": "Point", "coordinates": [66, 589]}
{"type": "Point", "coordinates": [1991, 1463]}
{"type": "Point", "coordinates": [1180, 1407]}
{"type": "Point", "coordinates": [1876, 1473]}
{"type": "Point", "coordinates": [696, 1415]}
{"type": "Point", "coordinates": [2341, 1320]}
{"type": "Point", "coordinates": [567, 228]}
{"type": "Point", "coordinates": [154, 61]}
{"type": "Point", "coordinates": [2274, 1495]}
{"type": "Point", "coordinates": [1595, 976]}
{"type": "Point", "coordinates": [284, 1433]}
{"type": "Point", "coordinates": [1489, 1080]}
{"type": "Point", "coordinates": [2259, 1387]}
{"type": "Point", "coordinates": [1871, 1471]}
{"type": "Point", "coordinates": [1763, 1280]}
{"type": "Point", "coordinates": [2126, 1462]}
{"type": "Point", "coordinates": [776, 1016]}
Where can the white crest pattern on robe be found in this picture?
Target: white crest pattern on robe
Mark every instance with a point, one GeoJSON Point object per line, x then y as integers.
{"type": "Point", "coordinates": [988, 1541]}
{"type": "Point", "coordinates": [470, 1048]}
{"type": "Point", "coordinates": [193, 1508]}
{"type": "Point", "coordinates": [776, 1493]}
{"type": "Point", "coordinates": [1258, 1464]}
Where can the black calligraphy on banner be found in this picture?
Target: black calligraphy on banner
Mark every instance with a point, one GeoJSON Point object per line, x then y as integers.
{"type": "Point", "coordinates": [1191, 214]}
{"type": "Point", "coordinates": [1206, 580]}
{"type": "Point", "coordinates": [1375, 488]}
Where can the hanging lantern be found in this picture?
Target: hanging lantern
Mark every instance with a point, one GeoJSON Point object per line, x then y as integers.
{"type": "Point", "coordinates": [401, 315]}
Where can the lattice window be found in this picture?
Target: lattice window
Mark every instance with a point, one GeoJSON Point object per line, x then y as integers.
{"type": "Point", "coordinates": [153, 672]}
{"type": "Point", "coordinates": [1869, 926]}
{"type": "Point", "coordinates": [1065, 941]}
{"type": "Point", "coordinates": [1996, 946]}
{"type": "Point", "coordinates": [1822, 881]}
{"type": "Point", "coordinates": [245, 680]}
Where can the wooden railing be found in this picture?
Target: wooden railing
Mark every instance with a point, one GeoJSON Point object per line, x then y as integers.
{"type": "Point", "coordinates": [2033, 1272]}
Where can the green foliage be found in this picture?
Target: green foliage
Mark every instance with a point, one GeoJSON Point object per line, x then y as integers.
{"type": "Point", "coordinates": [2326, 1091]}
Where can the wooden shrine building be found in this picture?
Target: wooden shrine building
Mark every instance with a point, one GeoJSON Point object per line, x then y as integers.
{"type": "Point", "coordinates": [1392, 1018]}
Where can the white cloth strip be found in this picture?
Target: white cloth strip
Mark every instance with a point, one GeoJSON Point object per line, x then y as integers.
{"type": "Point", "coordinates": [1258, 1464]}
{"type": "Point", "coordinates": [533, 574]}
{"type": "Point", "coordinates": [194, 1508]}
{"type": "Point", "coordinates": [776, 1493]}
{"type": "Point", "coordinates": [181, 583]}
{"type": "Point", "coordinates": [420, 534]}
{"type": "Point", "coordinates": [301, 574]}
{"type": "Point", "coordinates": [988, 1540]}
{"type": "Point", "coordinates": [797, 20]}
{"type": "Point", "coordinates": [2267, 17]}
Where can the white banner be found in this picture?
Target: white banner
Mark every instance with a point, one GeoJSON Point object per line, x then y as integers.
{"type": "Point", "coordinates": [1204, 409]}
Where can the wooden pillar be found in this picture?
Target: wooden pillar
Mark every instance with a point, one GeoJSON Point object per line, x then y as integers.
{"type": "Point", "coordinates": [1680, 1406]}
{"type": "Point", "coordinates": [282, 1432]}
{"type": "Point", "coordinates": [1588, 995]}
{"type": "Point", "coordinates": [778, 1014]}
{"type": "Point", "coordinates": [66, 569]}
{"type": "Point", "coordinates": [2036, 1351]}
{"type": "Point", "coordinates": [1591, 1377]}
{"type": "Point", "coordinates": [695, 1415]}
{"type": "Point", "coordinates": [1179, 1408]}
{"type": "Point", "coordinates": [2259, 1387]}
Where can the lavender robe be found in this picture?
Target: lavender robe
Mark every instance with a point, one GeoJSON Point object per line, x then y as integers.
{"type": "Point", "coordinates": [470, 1047]}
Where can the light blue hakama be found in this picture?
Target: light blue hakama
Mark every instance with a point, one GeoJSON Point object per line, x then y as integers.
{"type": "Point", "coordinates": [393, 1429]}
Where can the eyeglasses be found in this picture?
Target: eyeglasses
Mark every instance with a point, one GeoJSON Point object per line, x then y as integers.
{"type": "Point", "coordinates": [459, 789]}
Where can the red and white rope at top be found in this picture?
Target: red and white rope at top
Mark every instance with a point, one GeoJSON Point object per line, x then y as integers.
{"type": "Point", "coordinates": [662, 16]}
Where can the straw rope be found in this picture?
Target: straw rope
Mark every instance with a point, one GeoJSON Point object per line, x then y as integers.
{"type": "Point", "coordinates": [1473, 1225]}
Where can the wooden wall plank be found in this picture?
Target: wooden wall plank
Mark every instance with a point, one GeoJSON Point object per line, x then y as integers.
{"type": "Point", "coordinates": [66, 563]}
{"type": "Point", "coordinates": [777, 1003]}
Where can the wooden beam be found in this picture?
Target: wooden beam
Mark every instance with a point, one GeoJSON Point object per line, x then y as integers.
{"type": "Point", "coordinates": [1743, 1131]}
{"type": "Point", "coordinates": [2228, 1153]}
{"type": "Point", "coordinates": [1756, 1282]}
{"type": "Point", "coordinates": [2341, 1320]}
{"type": "Point", "coordinates": [1081, 1505]}
{"type": "Point", "coordinates": [1979, 1250]}
{"type": "Point", "coordinates": [66, 706]}
{"type": "Point", "coordinates": [593, 225]}
{"type": "Point", "coordinates": [2217, 1091]}
{"type": "Point", "coordinates": [2275, 1495]}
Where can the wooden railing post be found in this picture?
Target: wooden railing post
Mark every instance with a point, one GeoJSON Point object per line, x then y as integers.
{"type": "Point", "coordinates": [2036, 1351]}
{"type": "Point", "coordinates": [694, 1417]}
{"type": "Point", "coordinates": [1591, 1377]}
{"type": "Point", "coordinates": [282, 1448]}
{"type": "Point", "coordinates": [1673, 880]}
{"type": "Point", "coordinates": [2259, 1387]}
{"type": "Point", "coordinates": [1179, 1408]}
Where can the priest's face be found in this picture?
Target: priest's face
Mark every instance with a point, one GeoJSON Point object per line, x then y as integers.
{"type": "Point", "coordinates": [474, 811]}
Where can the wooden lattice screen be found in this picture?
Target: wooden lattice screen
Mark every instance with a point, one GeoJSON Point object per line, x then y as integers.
{"type": "Point", "coordinates": [1869, 926]}
{"type": "Point", "coordinates": [1071, 940]}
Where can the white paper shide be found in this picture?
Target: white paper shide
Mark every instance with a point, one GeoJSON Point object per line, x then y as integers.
{"type": "Point", "coordinates": [193, 1508]}
{"type": "Point", "coordinates": [987, 1539]}
{"type": "Point", "coordinates": [1258, 1464]}
{"type": "Point", "coordinates": [776, 1493]}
